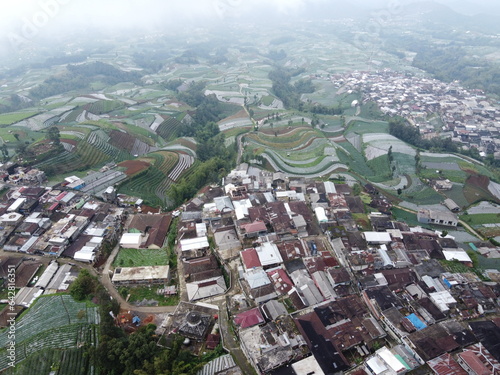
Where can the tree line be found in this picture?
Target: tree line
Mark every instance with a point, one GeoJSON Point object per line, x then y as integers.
{"type": "Point", "coordinates": [80, 76]}
{"type": "Point", "coordinates": [214, 158]}
{"type": "Point", "coordinates": [451, 63]}
{"type": "Point", "coordinates": [289, 93]}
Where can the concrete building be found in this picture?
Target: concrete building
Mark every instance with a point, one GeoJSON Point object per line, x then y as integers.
{"type": "Point", "coordinates": [141, 275]}
{"type": "Point", "coordinates": [437, 217]}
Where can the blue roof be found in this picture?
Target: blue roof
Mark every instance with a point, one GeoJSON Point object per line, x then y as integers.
{"type": "Point", "coordinates": [417, 323]}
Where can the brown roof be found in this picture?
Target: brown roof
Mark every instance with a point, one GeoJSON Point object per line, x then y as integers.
{"type": "Point", "coordinates": [155, 225]}
{"type": "Point", "coordinates": [212, 341]}
{"type": "Point", "coordinates": [291, 250]}
{"type": "Point", "coordinates": [339, 275]}
{"type": "Point", "coordinates": [301, 208]}
{"type": "Point", "coordinates": [8, 313]}
{"type": "Point", "coordinates": [25, 272]}
{"type": "Point", "coordinates": [399, 278]}
{"type": "Point", "coordinates": [193, 266]}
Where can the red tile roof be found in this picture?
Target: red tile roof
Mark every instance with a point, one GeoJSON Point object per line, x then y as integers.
{"type": "Point", "coordinates": [250, 258]}
{"type": "Point", "coordinates": [249, 318]}
{"type": "Point", "coordinates": [256, 226]}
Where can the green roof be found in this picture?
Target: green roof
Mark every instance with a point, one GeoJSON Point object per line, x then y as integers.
{"type": "Point", "coordinates": [400, 359]}
{"type": "Point", "coordinates": [80, 203]}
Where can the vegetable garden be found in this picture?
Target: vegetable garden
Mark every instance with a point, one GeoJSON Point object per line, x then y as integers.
{"type": "Point", "coordinates": [53, 322]}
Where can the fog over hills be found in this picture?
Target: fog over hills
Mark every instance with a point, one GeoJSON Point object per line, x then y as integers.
{"type": "Point", "coordinates": [30, 24]}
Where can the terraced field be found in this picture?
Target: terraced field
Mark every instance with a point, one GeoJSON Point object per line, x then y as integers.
{"type": "Point", "coordinates": [165, 160]}
{"type": "Point", "coordinates": [104, 106]}
{"type": "Point", "coordinates": [168, 129]}
{"type": "Point", "coordinates": [100, 140]}
{"type": "Point", "coordinates": [52, 322]}
{"type": "Point", "coordinates": [153, 185]}
{"type": "Point", "coordinates": [72, 361]}
{"type": "Point", "coordinates": [299, 151]}
{"type": "Point", "coordinates": [145, 185]}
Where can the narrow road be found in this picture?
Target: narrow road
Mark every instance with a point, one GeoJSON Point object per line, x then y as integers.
{"type": "Point", "coordinates": [231, 344]}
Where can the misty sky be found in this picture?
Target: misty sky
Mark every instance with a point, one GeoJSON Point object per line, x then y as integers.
{"type": "Point", "coordinates": [32, 20]}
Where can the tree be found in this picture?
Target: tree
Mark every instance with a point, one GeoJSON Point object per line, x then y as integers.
{"type": "Point", "coordinates": [399, 191]}
{"type": "Point", "coordinates": [356, 189]}
{"type": "Point", "coordinates": [444, 233]}
{"type": "Point", "coordinates": [53, 134]}
{"type": "Point", "coordinates": [16, 136]}
{"type": "Point", "coordinates": [83, 286]}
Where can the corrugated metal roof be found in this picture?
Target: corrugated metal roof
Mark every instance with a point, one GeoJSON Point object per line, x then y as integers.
{"type": "Point", "coordinates": [217, 365]}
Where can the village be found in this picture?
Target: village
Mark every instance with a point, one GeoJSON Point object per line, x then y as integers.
{"type": "Point", "coordinates": [468, 116]}
{"type": "Point", "coordinates": [274, 268]}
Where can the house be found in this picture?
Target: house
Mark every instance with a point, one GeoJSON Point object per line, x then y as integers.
{"type": "Point", "coordinates": [194, 247]}
{"type": "Point", "coordinates": [254, 229]}
{"type": "Point", "coordinates": [195, 325]}
{"type": "Point", "coordinates": [338, 276]}
{"type": "Point", "coordinates": [321, 215]}
{"type": "Point", "coordinates": [131, 240]}
{"type": "Point", "coordinates": [249, 318]}
{"type": "Point", "coordinates": [377, 237]}
{"type": "Point", "coordinates": [273, 309]}
{"type": "Point", "coordinates": [250, 259]}
{"type": "Point", "coordinates": [437, 217]}
{"type": "Point", "coordinates": [269, 255]}
{"type": "Point", "coordinates": [206, 288]}
{"type": "Point", "coordinates": [282, 283]}
{"type": "Point", "coordinates": [308, 365]}
{"type": "Point", "coordinates": [443, 185]}
{"type": "Point", "coordinates": [386, 362]}
{"type": "Point", "coordinates": [198, 269]}
{"type": "Point", "coordinates": [445, 364]}
{"type": "Point", "coordinates": [451, 205]}
{"type": "Point", "coordinates": [153, 227]}
{"type": "Point", "coordinates": [228, 243]}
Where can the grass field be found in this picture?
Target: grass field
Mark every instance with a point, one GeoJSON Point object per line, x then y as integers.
{"type": "Point", "coordinates": [405, 216]}
{"type": "Point", "coordinates": [362, 221]}
{"type": "Point", "coordinates": [140, 257]}
{"type": "Point", "coordinates": [363, 127]}
{"type": "Point", "coordinates": [455, 266]}
{"type": "Point", "coordinates": [479, 219]}
{"type": "Point", "coordinates": [140, 293]}
{"type": "Point", "coordinates": [454, 176]}
{"type": "Point", "coordinates": [11, 118]}
{"type": "Point", "coordinates": [425, 196]}
{"type": "Point", "coordinates": [457, 195]}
